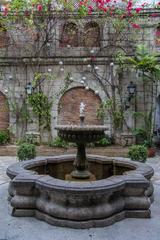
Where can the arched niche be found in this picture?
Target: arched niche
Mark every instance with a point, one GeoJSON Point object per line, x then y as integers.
{"type": "Point", "coordinates": [69, 35]}
{"type": "Point", "coordinates": [92, 35]}
{"type": "Point", "coordinates": [68, 107]}
{"type": "Point", "coordinates": [157, 36]}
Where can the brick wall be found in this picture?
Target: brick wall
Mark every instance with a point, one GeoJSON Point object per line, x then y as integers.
{"type": "Point", "coordinates": [4, 113]}
{"type": "Point", "coordinates": [68, 109]}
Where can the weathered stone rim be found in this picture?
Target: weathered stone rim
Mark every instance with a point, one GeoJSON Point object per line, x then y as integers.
{"type": "Point", "coordinates": [19, 171]}
{"type": "Point", "coordinates": [82, 128]}
{"type": "Point", "coordinates": [80, 205]}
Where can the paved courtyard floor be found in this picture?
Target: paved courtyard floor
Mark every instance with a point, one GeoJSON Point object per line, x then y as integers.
{"type": "Point", "coordinates": [12, 228]}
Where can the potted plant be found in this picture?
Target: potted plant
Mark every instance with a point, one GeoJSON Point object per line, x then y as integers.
{"type": "Point", "coordinates": [150, 147]}
{"type": "Point", "coordinates": [140, 134]}
{"type": "Point", "coordinates": [144, 135]}
{"type": "Point", "coordinates": [145, 139]}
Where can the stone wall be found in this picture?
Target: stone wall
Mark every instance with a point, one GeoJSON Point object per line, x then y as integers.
{"type": "Point", "coordinates": [18, 64]}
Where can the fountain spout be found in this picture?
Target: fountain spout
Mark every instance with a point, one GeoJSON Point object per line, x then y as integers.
{"type": "Point", "coordinates": [82, 113]}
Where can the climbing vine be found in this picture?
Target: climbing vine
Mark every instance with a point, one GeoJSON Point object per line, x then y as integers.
{"type": "Point", "coordinates": [41, 106]}
{"type": "Point", "coordinates": [67, 82]}
{"type": "Point", "coordinates": [116, 114]}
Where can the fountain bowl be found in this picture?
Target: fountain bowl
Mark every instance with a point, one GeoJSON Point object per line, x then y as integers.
{"type": "Point", "coordinates": [123, 189]}
{"type": "Point", "coordinates": [81, 133]}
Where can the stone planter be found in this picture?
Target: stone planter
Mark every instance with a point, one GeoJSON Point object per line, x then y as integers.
{"type": "Point", "coordinates": [151, 152]}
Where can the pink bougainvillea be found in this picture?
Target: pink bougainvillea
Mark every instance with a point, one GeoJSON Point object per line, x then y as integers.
{"type": "Point", "coordinates": [39, 7]}
{"type": "Point", "coordinates": [154, 15]}
{"type": "Point", "coordinates": [135, 25]}
{"type": "Point", "coordinates": [138, 9]}
{"type": "Point", "coordinates": [110, 7]}
{"type": "Point", "coordinates": [121, 9]}
{"type": "Point", "coordinates": [5, 11]}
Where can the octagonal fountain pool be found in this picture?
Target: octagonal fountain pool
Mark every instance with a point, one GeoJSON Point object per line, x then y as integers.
{"type": "Point", "coordinates": [80, 191]}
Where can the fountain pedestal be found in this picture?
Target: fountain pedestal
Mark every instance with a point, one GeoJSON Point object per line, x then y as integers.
{"type": "Point", "coordinates": [81, 163]}
{"type": "Point", "coordinates": [80, 134]}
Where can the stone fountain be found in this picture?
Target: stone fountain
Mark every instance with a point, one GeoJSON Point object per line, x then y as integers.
{"type": "Point", "coordinates": [81, 135]}
{"type": "Point", "coordinates": [82, 191]}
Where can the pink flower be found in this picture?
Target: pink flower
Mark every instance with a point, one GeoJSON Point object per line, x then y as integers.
{"type": "Point", "coordinates": [39, 7]}
{"type": "Point", "coordinates": [144, 4]}
{"type": "Point", "coordinates": [105, 9]}
{"type": "Point", "coordinates": [81, 3]}
{"type": "Point", "coordinates": [129, 6]}
{"type": "Point", "coordinates": [5, 11]}
{"type": "Point", "coordinates": [135, 25]}
{"type": "Point", "coordinates": [90, 8]}
{"type": "Point", "coordinates": [138, 10]}
{"type": "Point", "coordinates": [154, 15]}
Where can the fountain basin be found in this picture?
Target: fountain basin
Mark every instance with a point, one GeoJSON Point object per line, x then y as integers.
{"type": "Point", "coordinates": [81, 133]}
{"type": "Point", "coordinates": [123, 189]}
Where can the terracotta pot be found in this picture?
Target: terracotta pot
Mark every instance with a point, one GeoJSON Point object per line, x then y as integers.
{"type": "Point", "coordinates": [151, 152]}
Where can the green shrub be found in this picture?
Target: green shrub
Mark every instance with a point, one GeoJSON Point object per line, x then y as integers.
{"type": "Point", "coordinates": [32, 139]}
{"type": "Point", "coordinates": [59, 142]}
{"type": "Point", "coordinates": [20, 141]}
{"type": "Point", "coordinates": [26, 151]}
{"type": "Point", "coordinates": [138, 153]}
{"type": "Point", "coordinates": [4, 137]}
{"type": "Point", "coordinates": [29, 138]}
{"type": "Point", "coordinates": [105, 141]}
{"type": "Point", "coordinates": [140, 132]}
{"type": "Point", "coordinates": [149, 143]}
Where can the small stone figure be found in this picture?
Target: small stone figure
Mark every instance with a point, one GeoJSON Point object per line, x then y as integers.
{"type": "Point", "coordinates": [82, 108]}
